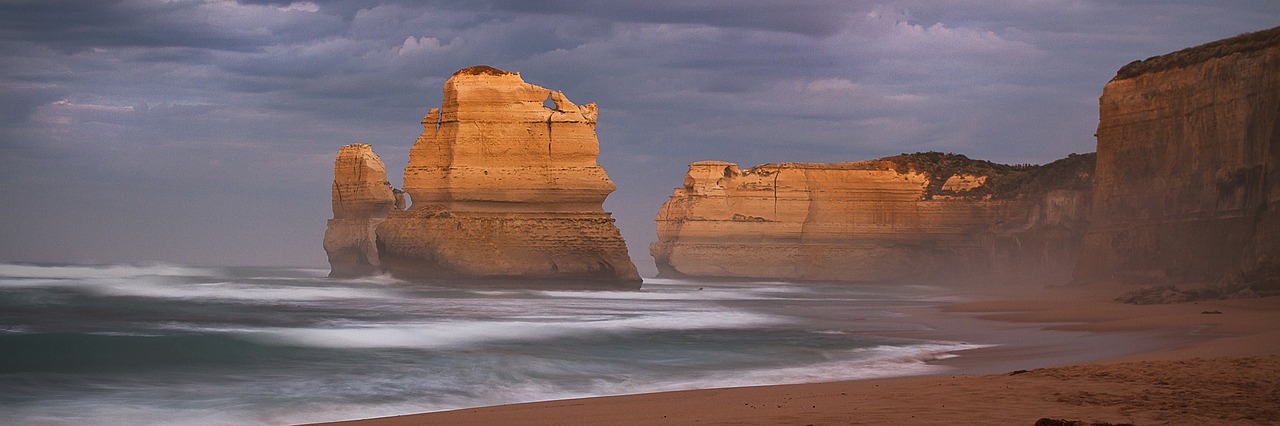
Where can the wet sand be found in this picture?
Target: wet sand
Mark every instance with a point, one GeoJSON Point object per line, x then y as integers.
{"type": "Point", "coordinates": [1194, 363]}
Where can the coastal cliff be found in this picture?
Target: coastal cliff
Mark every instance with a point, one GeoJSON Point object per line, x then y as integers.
{"type": "Point", "coordinates": [1188, 177]}
{"type": "Point", "coordinates": [506, 189]}
{"type": "Point", "coordinates": [362, 198]}
{"type": "Point", "coordinates": [927, 217]}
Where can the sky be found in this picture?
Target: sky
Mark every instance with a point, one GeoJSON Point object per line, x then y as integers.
{"type": "Point", "coordinates": [203, 131]}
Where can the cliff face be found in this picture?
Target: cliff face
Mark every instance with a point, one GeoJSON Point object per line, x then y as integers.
{"type": "Point", "coordinates": [1188, 178]}
{"type": "Point", "coordinates": [924, 217]}
{"type": "Point", "coordinates": [505, 187]}
{"type": "Point", "coordinates": [362, 198]}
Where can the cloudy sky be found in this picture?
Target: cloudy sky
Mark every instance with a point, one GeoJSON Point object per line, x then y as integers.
{"type": "Point", "coordinates": [203, 131]}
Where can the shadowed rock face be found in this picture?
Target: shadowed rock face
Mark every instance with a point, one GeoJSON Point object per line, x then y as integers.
{"type": "Point", "coordinates": [1188, 178]}
{"type": "Point", "coordinates": [925, 217]}
{"type": "Point", "coordinates": [506, 188]}
{"type": "Point", "coordinates": [362, 198]}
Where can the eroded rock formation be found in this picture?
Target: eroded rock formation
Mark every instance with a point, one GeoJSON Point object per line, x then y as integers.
{"type": "Point", "coordinates": [1188, 178]}
{"type": "Point", "coordinates": [926, 217]}
{"type": "Point", "coordinates": [362, 198]}
{"type": "Point", "coordinates": [504, 188]}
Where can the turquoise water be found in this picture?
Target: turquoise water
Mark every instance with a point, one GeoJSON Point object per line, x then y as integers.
{"type": "Point", "coordinates": [169, 344]}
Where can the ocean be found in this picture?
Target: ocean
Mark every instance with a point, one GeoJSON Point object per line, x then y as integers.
{"type": "Point", "coordinates": [171, 344]}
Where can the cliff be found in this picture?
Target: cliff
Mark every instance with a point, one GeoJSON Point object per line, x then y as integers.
{"type": "Point", "coordinates": [926, 217]}
{"type": "Point", "coordinates": [505, 188]}
{"type": "Point", "coordinates": [362, 198]}
{"type": "Point", "coordinates": [1188, 177]}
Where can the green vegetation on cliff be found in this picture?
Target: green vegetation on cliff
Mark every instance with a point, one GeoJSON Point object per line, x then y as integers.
{"type": "Point", "coordinates": [1244, 43]}
{"type": "Point", "coordinates": [1003, 181]}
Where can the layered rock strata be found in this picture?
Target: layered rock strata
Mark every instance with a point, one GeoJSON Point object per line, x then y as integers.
{"type": "Point", "coordinates": [362, 198]}
{"type": "Point", "coordinates": [926, 217]}
{"type": "Point", "coordinates": [505, 188]}
{"type": "Point", "coordinates": [1188, 178]}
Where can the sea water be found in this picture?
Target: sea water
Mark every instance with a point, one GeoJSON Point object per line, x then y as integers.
{"type": "Point", "coordinates": [168, 344]}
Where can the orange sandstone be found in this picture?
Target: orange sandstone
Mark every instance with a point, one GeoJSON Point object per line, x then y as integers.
{"type": "Point", "coordinates": [362, 198]}
{"type": "Point", "coordinates": [921, 217]}
{"type": "Point", "coordinates": [1188, 184]}
{"type": "Point", "coordinates": [505, 189]}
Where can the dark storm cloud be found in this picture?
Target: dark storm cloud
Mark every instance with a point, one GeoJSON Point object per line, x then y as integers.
{"type": "Point", "coordinates": [814, 18]}
{"type": "Point", "coordinates": [197, 130]}
{"type": "Point", "coordinates": [75, 25]}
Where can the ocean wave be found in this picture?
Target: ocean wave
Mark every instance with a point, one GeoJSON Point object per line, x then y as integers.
{"type": "Point", "coordinates": [145, 344]}
{"type": "Point", "coordinates": [454, 334]}
{"type": "Point", "coordinates": [696, 283]}
{"type": "Point", "coordinates": [73, 272]}
{"type": "Point", "coordinates": [855, 364]}
{"type": "Point", "coordinates": [166, 287]}
{"type": "Point", "coordinates": [240, 291]}
{"type": "Point", "coordinates": [701, 293]}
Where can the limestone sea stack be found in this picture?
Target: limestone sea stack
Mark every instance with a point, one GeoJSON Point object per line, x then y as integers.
{"type": "Point", "coordinates": [362, 198]}
{"type": "Point", "coordinates": [1188, 178]}
{"type": "Point", "coordinates": [506, 189]}
{"type": "Point", "coordinates": [927, 217]}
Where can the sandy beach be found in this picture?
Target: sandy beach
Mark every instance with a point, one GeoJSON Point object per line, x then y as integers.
{"type": "Point", "coordinates": [1215, 362]}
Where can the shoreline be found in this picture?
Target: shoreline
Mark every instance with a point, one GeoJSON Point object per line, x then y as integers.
{"type": "Point", "coordinates": [1073, 342]}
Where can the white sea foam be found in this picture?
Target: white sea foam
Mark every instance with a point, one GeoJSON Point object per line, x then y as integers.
{"type": "Point", "coordinates": [239, 291]}
{"type": "Point", "coordinates": [454, 334]}
{"type": "Point", "coordinates": [165, 287]}
{"type": "Point", "coordinates": [856, 364]}
{"type": "Point", "coordinates": [696, 283]}
{"type": "Point", "coordinates": [13, 270]}
{"type": "Point", "coordinates": [380, 279]}
{"type": "Point", "coordinates": [702, 293]}
{"type": "Point", "coordinates": [859, 364]}
{"type": "Point", "coordinates": [484, 346]}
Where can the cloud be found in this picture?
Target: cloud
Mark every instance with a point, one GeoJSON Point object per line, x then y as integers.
{"type": "Point", "coordinates": [414, 45]}
{"type": "Point", "coordinates": [77, 25]}
{"type": "Point", "coordinates": [807, 17]}
{"type": "Point", "coordinates": [168, 116]}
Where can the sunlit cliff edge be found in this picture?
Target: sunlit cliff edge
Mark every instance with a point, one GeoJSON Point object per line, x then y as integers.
{"type": "Point", "coordinates": [1188, 179]}
{"type": "Point", "coordinates": [503, 188]}
{"type": "Point", "coordinates": [915, 217]}
{"type": "Point", "coordinates": [362, 198]}
{"type": "Point", "coordinates": [1186, 190]}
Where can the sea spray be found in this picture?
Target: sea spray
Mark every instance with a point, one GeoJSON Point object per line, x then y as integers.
{"type": "Point", "coordinates": [163, 344]}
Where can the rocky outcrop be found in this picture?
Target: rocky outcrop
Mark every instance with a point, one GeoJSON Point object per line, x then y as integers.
{"type": "Point", "coordinates": [362, 198]}
{"type": "Point", "coordinates": [926, 217]}
{"type": "Point", "coordinates": [505, 188]}
{"type": "Point", "coordinates": [1188, 177]}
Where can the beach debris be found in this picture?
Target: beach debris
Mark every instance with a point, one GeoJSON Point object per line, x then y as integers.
{"type": "Point", "coordinates": [1165, 294]}
{"type": "Point", "coordinates": [1154, 295]}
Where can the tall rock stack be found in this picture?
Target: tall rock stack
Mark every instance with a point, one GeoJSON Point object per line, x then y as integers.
{"type": "Point", "coordinates": [926, 217]}
{"type": "Point", "coordinates": [362, 198]}
{"type": "Point", "coordinates": [1188, 178]}
{"type": "Point", "coordinates": [506, 188]}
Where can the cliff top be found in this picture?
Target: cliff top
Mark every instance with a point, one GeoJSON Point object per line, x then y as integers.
{"type": "Point", "coordinates": [849, 165]}
{"type": "Point", "coordinates": [482, 70]}
{"type": "Point", "coordinates": [1003, 180]}
{"type": "Point", "coordinates": [1243, 43]}
{"type": "Point", "coordinates": [711, 163]}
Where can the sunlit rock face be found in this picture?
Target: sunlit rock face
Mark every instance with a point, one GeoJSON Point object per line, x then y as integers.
{"type": "Point", "coordinates": [926, 217]}
{"type": "Point", "coordinates": [1188, 178]}
{"type": "Point", "coordinates": [504, 187]}
{"type": "Point", "coordinates": [362, 198]}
